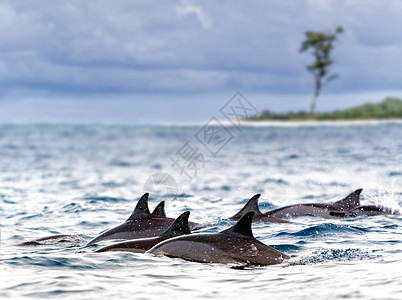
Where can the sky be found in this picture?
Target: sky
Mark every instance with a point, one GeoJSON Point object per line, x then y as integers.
{"type": "Point", "coordinates": [144, 61]}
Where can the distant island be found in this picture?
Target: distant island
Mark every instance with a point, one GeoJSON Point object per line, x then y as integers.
{"type": "Point", "coordinates": [390, 108]}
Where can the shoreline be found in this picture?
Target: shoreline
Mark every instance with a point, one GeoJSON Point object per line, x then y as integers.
{"type": "Point", "coordinates": [344, 122]}
{"type": "Point", "coordinates": [247, 123]}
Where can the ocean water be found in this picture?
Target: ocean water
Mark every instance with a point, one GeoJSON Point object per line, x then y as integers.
{"type": "Point", "coordinates": [83, 179]}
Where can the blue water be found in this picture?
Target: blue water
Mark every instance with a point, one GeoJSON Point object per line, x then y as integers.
{"type": "Point", "coordinates": [72, 179]}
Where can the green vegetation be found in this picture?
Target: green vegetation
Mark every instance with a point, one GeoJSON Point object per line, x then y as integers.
{"type": "Point", "coordinates": [321, 45]}
{"type": "Point", "coordinates": [387, 109]}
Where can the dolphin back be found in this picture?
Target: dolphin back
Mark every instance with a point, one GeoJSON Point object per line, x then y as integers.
{"type": "Point", "coordinates": [141, 210]}
{"type": "Point", "coordinates": [349, 202]}
{"type": "Point", "coordinates": [252, 206]}
{"type": "Point", "coordinates": [235, 245]}
{"type": "Point", "coordinates": [159, 210]}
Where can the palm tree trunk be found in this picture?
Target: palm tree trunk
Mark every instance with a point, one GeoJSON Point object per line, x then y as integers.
{"type": "Point", "coordinates": [316, 94]}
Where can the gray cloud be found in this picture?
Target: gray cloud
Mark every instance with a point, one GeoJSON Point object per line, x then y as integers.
{"type": "Point", "coordinates": [189, 46]}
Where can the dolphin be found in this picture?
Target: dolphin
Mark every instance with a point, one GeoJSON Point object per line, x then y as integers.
{"type": "Point", "coordinates": [324, 210]}
{"type": "Point", "coordinates": [252, 205]}
{"type": "Point", "coordinates": [159, 210]}
{"type": "Point", "coordinates": [373, 210]}
{"type": "Point", "coordinates": [235, 245]}
{"type": "Point", "coordinates": [59, 238]}
{"type": "Point", "coordinates": [179, 227]}
{"type": "Point", "coordinates": [141, 224]}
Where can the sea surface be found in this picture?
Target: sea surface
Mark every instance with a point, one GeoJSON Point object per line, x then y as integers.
{"type": "Point", "coordinates": [84, 179]}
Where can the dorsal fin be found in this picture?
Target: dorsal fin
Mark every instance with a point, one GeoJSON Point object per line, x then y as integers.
{"type": "Point", "coordinates": [141, 210]}
{"type": "Point", "coordinates": [159, 210]}
{"type": "Point", "coordinates": [243, 226]}
{"type": "Point", "coordinates": [179, 226]}
{"type": "Point", "coordinates": [350, 202]}
{"type": "Point", "coordinates": [251, 205]}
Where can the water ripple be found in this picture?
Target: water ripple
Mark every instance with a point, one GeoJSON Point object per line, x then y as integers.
{"type": "Point", "coordinates": [83, 179]}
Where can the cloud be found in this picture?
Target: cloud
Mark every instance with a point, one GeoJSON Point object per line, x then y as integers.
{"type": "Point", "coordinates": [187, 8]}
{"type": "Point", "coordinates": [178, 47]}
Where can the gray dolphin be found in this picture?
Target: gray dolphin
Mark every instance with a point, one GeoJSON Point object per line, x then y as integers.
{"type": "Point", "coordinates": [179, 227]}
{"type": "Point", "coordinates": [252, 205]}
{"type": "Point", "coordinates": [373, 210]}
{"type": "Point", "coordinates": [58, 238]}
{"type": "Point", "coordinates": [235, 245]}
{"type": "Point", "coordinates": [159, 210]}
{"type": "Point", "coordinates": [141, 224]}
{"type": "Point", "coordinates": [324, 210]}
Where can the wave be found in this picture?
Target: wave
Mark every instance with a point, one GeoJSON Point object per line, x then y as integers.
{"type": "Point", "coordinates": [325, 255]}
